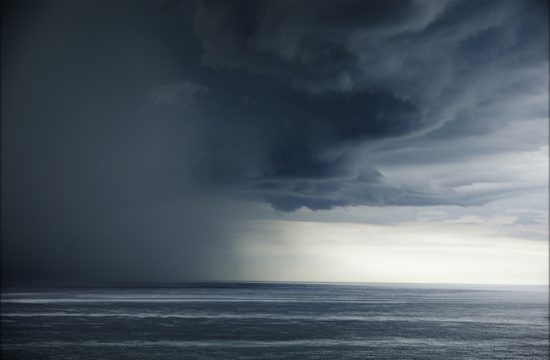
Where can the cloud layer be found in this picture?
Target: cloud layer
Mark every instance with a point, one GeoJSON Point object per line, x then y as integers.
{"type": "Point", "coordinates": [325, 91]}
{"type": "Point", "coordinates": [135, 135]}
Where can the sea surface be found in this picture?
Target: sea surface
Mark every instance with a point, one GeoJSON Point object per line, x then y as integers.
{"type": "Point", "coordinates": [276, 321]}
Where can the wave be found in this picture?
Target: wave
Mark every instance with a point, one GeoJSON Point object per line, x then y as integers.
{"type": "Point", "coordinates": [264, 316]}
{"type": "Point", "coordinates": [176, 300]}
{"type": "Point", "coordinates": [386, 342]}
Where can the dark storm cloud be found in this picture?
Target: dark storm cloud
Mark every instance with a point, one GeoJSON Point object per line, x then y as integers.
{"type": "Point", "coordinates": [342, 75]}
{"type": "Point", "coordinates": [301, 41]}
{"type": "Point", "coordinates": [288, 146]}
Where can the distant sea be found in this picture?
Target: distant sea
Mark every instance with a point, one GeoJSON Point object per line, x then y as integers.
{"type": "Point", "coordinates": [276, 321]}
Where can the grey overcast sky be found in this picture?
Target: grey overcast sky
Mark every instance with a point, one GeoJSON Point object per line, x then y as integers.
{"type": "Point", "coordinates": [387, 141]}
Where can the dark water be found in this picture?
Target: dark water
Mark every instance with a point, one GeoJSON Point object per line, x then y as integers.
{"type": "Point", "coordinates": [276, 321]}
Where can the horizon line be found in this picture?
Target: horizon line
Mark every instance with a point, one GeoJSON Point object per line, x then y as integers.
{"type": "Point", "coordinates": [174, 284]}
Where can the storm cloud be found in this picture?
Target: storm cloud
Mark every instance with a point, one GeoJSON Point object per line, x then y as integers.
{"type": "Point", "coordinates": [318, 83]}
{"type": "Point", "coordinates": [135, 127]}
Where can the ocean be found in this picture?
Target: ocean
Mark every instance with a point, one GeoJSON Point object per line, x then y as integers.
{"type": "Point", "coordinates": [276, 321]}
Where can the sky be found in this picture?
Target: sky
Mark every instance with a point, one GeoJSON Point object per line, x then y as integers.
{"type": "Point", "coordinates": [355, 141]}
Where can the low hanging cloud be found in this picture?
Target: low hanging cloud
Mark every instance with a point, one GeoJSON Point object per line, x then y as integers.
{"type": "Point", "coordinates": [325, 91]}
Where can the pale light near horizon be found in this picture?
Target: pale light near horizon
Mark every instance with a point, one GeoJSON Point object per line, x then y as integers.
{"type": "Point", "coordinates": [408, 253]}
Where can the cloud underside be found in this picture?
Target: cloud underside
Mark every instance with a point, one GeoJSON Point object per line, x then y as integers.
{"type": "Point", "coordinates": [329, 96]}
